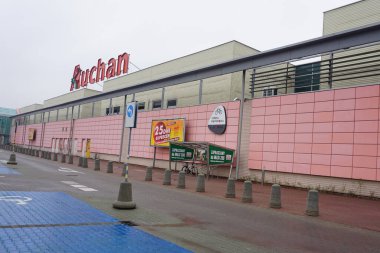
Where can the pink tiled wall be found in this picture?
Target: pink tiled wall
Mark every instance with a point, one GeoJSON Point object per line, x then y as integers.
{"type": "Point", "coordinates": [17, 137]}
{"type": "Point", "coordinates": [59, 129]}
{"type": "Point", "coordinates": [36, 142]}
{"type": "Point", "coordinates": [104, 132]}
{"type": "Point", "coordinates": [196, 128]}
{"type": "Point", "coordinates": [328, 133]}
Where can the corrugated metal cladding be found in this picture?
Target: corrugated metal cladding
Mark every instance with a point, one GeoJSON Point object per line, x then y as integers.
{"type": "Point", "coordinates": [351, 16]}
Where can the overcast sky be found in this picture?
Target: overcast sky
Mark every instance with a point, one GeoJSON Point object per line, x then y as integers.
{"type": "Point", "coordinates": [42, 41]}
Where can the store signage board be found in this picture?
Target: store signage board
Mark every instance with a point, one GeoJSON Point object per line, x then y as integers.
{"type": "Point", "coordinates": [219, 155]}
{"type": "Point", "coordinates": [32, 134]}
{"type": "Point", "coordinates": [165, 130]}
{"type": "Point", "coordinates": [81, 78]}
{"type": "Point", "coordinates": [181, 153]}
{"type": "Point", "coordinates": [218, 120]}
{"type": "Point", "coordinates": [130, 115]}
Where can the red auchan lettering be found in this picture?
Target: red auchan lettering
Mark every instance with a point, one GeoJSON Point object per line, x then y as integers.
{"type": "Point", "coordinates": [81, 78]}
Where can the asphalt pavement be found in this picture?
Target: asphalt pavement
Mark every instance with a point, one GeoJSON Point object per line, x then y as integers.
{"type": "Point", "coordinates": [198, 222]}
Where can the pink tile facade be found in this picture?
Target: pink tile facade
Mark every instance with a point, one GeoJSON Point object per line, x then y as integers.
{"type": "Point", "coordinates": [327, 133]}
{"type": "Point", "coordinates": [196, 118]}
{"type": "Point", "coordinates": [104, 132]}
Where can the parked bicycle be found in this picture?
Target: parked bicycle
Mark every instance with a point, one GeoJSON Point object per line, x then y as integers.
{"type": "Point", "coordinates": [189, 168]}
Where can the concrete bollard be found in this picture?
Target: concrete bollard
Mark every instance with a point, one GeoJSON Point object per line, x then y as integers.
{"type": "Point", "coordinates": [12, 159]}
{"type": "Point", "coordinates": [312, 207]}
{"type": "Point", "coordinates": [63, 158]}
{"type": "Point", "coordinates": [200, 183]}
{"type": "Point", "coordinates": [247, 192]}
{"type": "Point", "coordinates": [110, 167]}
{"type": "Point", "coordinates": [124, 200]}
{"type": "Point", "coordinates": [71, 159]}
{"type": "Point", "coordinates": [181, 180]}
{"type": "Point", "coordinates": [275, 201]}
{"type": "Point", "coordinates": [84, 162]}
{"type": "Point", "coordinates": [149, 173]}
{"type": "Point", "coordinates": [167, 177]}
{"type": "Point", "coordinates": [55, 157]}
{"type": "Point", "coordinates": [80, 161]}
{"type": "Point", "coordinates": [97, 164]}
{"type": "Point", "coordinates": [230, 188]}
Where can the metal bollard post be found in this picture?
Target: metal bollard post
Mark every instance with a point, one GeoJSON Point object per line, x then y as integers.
{"type": "Point", "coordinates": [80, 162]}
{"type": "Point", "coordinates": [275, 201]}
{"type": "Point", "coordinates": [55, 157]}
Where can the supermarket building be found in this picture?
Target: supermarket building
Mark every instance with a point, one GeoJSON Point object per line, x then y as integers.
{"type": "Point", "coordinates": [312, 124]}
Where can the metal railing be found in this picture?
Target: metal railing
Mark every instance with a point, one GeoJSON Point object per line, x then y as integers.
{"type": "Point", "coordinates": [343, 68]}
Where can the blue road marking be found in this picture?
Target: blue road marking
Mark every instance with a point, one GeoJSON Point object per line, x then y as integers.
{"type": "Point", "coordinates": [43, 210]}
{"type": "Point", "coordinates": [8, 171]}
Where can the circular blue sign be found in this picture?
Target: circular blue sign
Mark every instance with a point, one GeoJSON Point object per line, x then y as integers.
{"type": "Point", "coordinates": [130, 110]}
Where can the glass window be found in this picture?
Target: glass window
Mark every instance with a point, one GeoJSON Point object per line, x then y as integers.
{"type": "Point", "coordinates": [85, 111]}
{"type": "Point", "coordinates": [157, 104]}
{"type": "Point", "coordinates": [141, 106]}
{"type": "Point", "coordinates": [172, 103]}
{"type": "Point", "coordinates": [116, 110]}
{"type": "Point", "coordinates": [307, 77]}
{"type": "Point", "coordinates": [118, 105]}
{"type": "Point", "coordinates": [148, 97]}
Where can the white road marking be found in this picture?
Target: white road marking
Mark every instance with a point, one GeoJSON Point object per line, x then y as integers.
{"type": "Point", "coordinates": [68, 182]}
{"type": "Point", "coordinates": [88, 189]}
{"type": "Point", "coordinates": [69, 170]}
{"type": "Point", "coordinates": [79, 186]}
{"type": "Point", "coordinates": [3, 161]}
{"type": "Point", "coordinates": [2, 176]}
{"type": "Point", "coordinates": [19, 200]}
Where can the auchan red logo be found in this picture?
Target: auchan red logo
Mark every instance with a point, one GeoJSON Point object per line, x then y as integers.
{"type": "Point", "coordinates": [81, 78]}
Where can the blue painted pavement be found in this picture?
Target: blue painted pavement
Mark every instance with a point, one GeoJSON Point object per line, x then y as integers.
{"type": "Point", "coordinates": [8, 171]}
{"type": "Point", "coordinates": [41, 212]}
{"type": "Point", "coordinates": [46, 208]}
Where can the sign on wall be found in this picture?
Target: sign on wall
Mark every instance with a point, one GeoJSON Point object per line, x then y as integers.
{"type": "Point", "coordinates": [219, 155]}
{"type": "Point", "coordinates": [130, 115]}
{"type": "Point", "coordinates": [81, 78]}
{"type": "Point", "coordinates": [163, 131]}
{"type": "Point", "coordinates": [218, 121]}
{"type": "Point", "coordinates": [181, 153]}
{"type": "Point", "coordinates": [32, 134]}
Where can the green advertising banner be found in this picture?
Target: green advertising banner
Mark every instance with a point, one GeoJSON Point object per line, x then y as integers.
{"type": "Point", "coordinates": [180, 153]}
{"type": "Point", "coordinates": [219, 155]}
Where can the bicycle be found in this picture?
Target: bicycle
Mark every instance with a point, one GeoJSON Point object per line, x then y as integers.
{"type": "Point", "coordinates": [193, 169]}
{"type": "Point", "coordinates": [189, 168]}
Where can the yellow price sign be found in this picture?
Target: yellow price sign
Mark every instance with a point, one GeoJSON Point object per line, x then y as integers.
{"type": "Point", "coordinates": [166, 130]}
